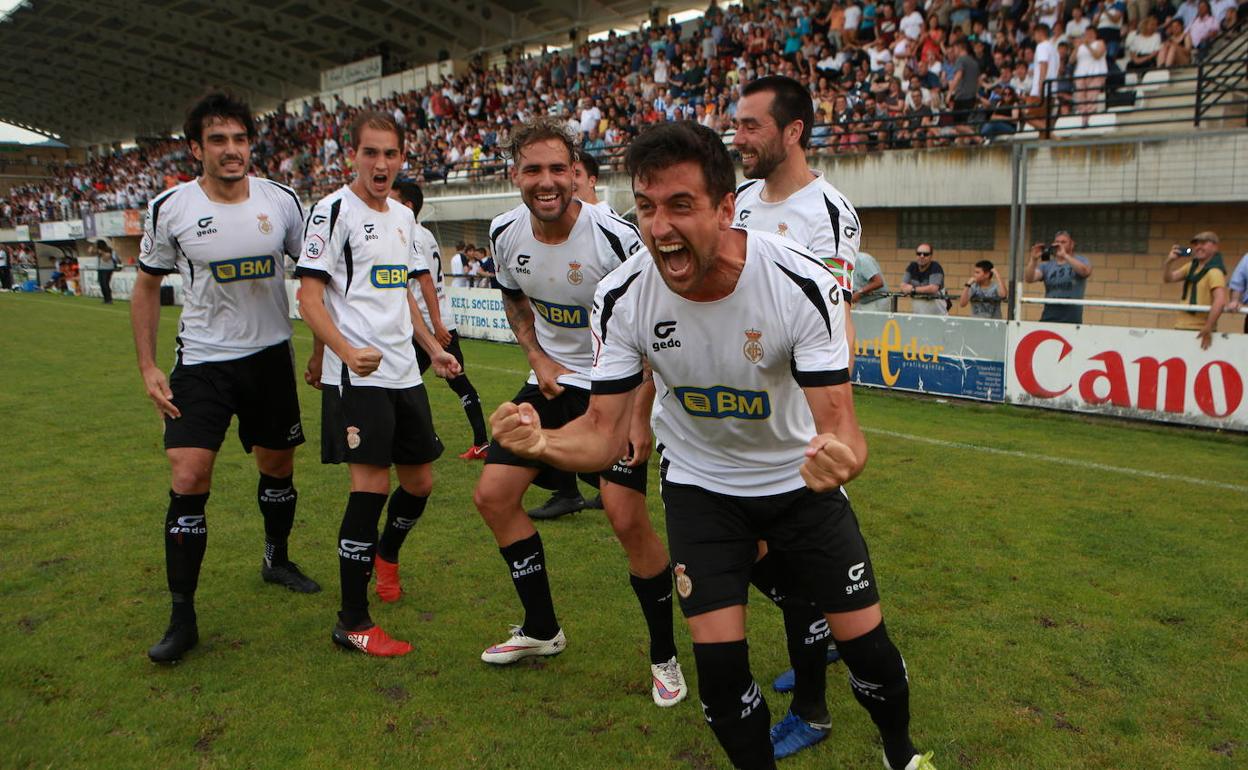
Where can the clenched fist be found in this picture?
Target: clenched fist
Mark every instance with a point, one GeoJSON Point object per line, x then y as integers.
{"type": "Point", "coordinates": [829, 463]}
{"type": "Point", "coordinates": [518, 429]}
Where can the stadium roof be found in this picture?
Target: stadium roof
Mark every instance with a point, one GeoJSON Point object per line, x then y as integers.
{"type": "Point", "coordinates": [108, 70]}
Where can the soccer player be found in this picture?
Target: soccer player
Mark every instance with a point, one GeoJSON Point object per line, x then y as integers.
{"type": "Point", "coordinates": [757, 436]}
{"type": "Point", "coordinates": [227, 233]}
{"type": "Point", "coordinates": [359, 253]}
{"type": "Point", "coordinates": [552, 251]}
{"type": "Point", "coordinates": [785, 196]}
{"type": "Point", "coordinates": [435, 309]}
{"type": "Point", "coordinates": [585, 180]}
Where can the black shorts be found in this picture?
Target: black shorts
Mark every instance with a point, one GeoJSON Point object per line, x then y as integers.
{"type": "Point", "coordinates": [452, 347]}
{"type": "Point", "coordinates": [259, 388]}
{"type": "Point", "coordinates": [713, 539]}
{"type": "Point", "coordinates": [377, 426]}
{"type": "Point", "coordinates": [555, 413]}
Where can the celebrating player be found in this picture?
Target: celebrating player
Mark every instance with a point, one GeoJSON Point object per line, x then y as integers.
{"type": "Point", "coordinates": [227, 233]}
{"type": "Point", "coordinates": [359, 253]}
{"type": "Point", "coordinates": [435, 309]}
{"type": "Point", "coordinates": [774, 121]}
{"type": "Point", "coordinates": [551, 253]}
{"type": "Point", "coordinates": [759, 436]}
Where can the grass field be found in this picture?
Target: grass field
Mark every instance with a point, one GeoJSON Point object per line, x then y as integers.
{"type": "Point", "coordinates": [1058, 606]}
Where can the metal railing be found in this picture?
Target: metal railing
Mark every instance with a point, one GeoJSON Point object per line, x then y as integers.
{"type": "Point", "coordinates": [1224, 73]}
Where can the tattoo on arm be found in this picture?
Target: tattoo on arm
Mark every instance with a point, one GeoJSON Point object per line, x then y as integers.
{"type": "Point", "coordinates": [520, 316]}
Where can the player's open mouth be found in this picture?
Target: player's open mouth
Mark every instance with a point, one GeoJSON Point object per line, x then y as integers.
{"type": "Point", "coordinates": [546, 197]}
{"type": "Point", "coordinates": [677, 260]}
{"type": "Point", "coordinates": [379, 179]}
{"type": "Point", "coordinates": [748, 157]}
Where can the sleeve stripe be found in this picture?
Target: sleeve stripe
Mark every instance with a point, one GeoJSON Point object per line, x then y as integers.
{"type": "Point", "coordinates": [821, 379]}
{"type": "Point", "coordinates": [812, 292]}
{"type": "Point", "coordinates": [308, 221]}
{"type": "Point", "coordinates": [154, 270]}
{"type": "Point", "coordinates": [809, 258]}
{"type": "Point", "coordinates": [288, 191]}
{"type": "Point", "coordinates": [626, 223]}
{"type": "Point", "coordinates": [608, 304]}
{"type": "Point", "coordinates": [746, 186]}
{"type": "Point", "coordinates": [301, 271]}
{"type": "Point", "coordinates": [616, 244]}
{"type": "Point", "coordinates": [615, 387]}
{"type": "Point", "coordinates": [834, 214]}
{"type": "Point", "coordinates": [850, 210]}
{"type": "Point", "coordinates": [156, 204]}
{"type": "Point", "coordinates": [499, 231]}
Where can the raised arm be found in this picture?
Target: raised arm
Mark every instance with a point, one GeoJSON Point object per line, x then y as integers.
{"type": "Point", "coordinates": [588, 444]}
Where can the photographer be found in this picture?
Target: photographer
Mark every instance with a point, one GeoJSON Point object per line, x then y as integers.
{"type": "Point", "coordinates": [1065, 275]}
{"type": "Point", "coordinates": [1201, 270]}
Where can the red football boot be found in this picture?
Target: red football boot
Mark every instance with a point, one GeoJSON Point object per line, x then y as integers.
{"type": "Point", "coordinates": [389, 588]}
{"type": "Point", "coordinates": [371, 641]}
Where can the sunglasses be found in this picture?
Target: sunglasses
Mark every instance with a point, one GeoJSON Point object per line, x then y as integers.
{"type": "Point", "coordinates": [923, 253]}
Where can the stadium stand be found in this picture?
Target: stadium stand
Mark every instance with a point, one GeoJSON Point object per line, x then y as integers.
{"type": "Point", "coordinates": [881, 78]}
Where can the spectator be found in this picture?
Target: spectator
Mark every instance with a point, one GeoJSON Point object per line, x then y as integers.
{"type": "Point", "coordinates": [1091, 66]}
{"type": "Point", "coordinates": [1003, 114]}
{"type": "Point", "coordinates": [1045, 68]}
{"type": "Point", "coordinates": [985, 291]}
{"type": "Point", "coordinates": [486, 271]}
{"type": "Point", "coordinates": [1202, 29]}
{"type": "Point", "coordinates": [1065, 275]}
{"type": "Point", "coordinates": [6, 269]}
{"type": "Point", "coordinates": [1175, 51]}
{"type": "Point", "coordinates": [924, 280]}
{"type": "Point", "coordinates": [868, 281]}
{"type": "Point", "coordinates": [1204, 283]}
{"type": "Point", "coordinates": [1109, 22]}
{"type": "Point", "coordinates": [1143, 45]}
{"type": "Point", "coordinates": [1239, 289]}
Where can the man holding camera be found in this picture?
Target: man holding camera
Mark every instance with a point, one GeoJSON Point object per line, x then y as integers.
{"type": "Point", "coordinates": [1065, 275]}
{"type": "Point", "coordinates": [1201, 270]}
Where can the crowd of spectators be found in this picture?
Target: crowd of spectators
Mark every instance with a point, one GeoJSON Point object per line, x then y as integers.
{"type": "Point", "coordinates": [882, 74]}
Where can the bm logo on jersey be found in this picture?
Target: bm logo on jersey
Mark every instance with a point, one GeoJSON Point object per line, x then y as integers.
{"type": "Point", "coordinates": [722, 401]}
{"type": "Point", "coordinates": [567, 316]}
{"type": "Point", "coordinates": [389, 276]}
{"type": "Point", "coordinates": [243, 269]}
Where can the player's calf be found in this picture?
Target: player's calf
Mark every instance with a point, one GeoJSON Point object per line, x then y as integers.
{"type": "Point", "coordinates": [733, 703]}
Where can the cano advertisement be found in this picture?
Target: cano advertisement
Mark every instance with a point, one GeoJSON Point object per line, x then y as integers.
{"type": "Point", "coordinates": [1151, 374]}
{"type": "Point", "coordinates": [963, 357]}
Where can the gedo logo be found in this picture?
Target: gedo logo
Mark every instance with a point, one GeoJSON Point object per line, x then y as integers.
{"type": "Point", "coordinates": [1216, 387]}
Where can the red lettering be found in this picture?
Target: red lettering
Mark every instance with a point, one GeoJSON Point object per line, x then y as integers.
{"type": "Point", "coordinates": [1114, 372]}
{"type": "Point", "coordinates": [1024, 367]}
{"type": "Point", "coordinates": [1176, 382]}
{"type": "Point", "coordinates": [1232, 388]}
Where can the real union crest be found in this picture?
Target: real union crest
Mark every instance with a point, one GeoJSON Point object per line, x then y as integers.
{"type": "Point", "coordinates": [264, 224]}
{"type": "Point", "coordinates": [753, 349]}
{"type": "Point", "coordinates": [684, 585]}
{"type": "Point", "coordinates": [782, 229]}
{"type": "Point", "coordinates": [575, 276]}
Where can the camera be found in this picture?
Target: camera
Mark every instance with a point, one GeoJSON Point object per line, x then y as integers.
{"type": "Point", "coordinates": [1186, 251]}
{"type": "Point", "coordinates": [1047, 252]}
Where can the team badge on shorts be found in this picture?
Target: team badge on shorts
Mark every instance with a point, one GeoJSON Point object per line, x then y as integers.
{"type": "Point", "coordinates": [264, 224]}
{"type": "Point", "coordinates": [684, 585]}
{"type": "Point", "coordinates": [753, 349]}
{"type": "Point", "coordinates": [353, 437]}
{"type": "Point", "coordinates": [575, 276]}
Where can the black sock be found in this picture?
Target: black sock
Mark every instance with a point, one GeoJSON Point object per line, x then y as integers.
{"type": "Point", "coordinates": [567, 485]}
{"type": "Point", "coordinates": [401, 515]}
{"type": "Point", "coordinates": [655, 596]}
{"type": "Point", "coordinates": [733, 704]}
{"type": "Point", "coordinates": [186, 539]}
{"type": "Point", "coordinates": [357, 542]}
{"type": "Point", "coordinates": [277, 497]}
{"type": "Point", "coordinates": [526, 561]}
{"type": "Point", "coordinates": [472, 407]}
{"type": "Point", "coordinates": [806, 635]}
{"type": "Point", "coordinates": [878, 679]}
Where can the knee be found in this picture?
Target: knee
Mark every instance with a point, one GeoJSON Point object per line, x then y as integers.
{"type": "Point", "coordinates": [492, 506]}
{"type": "Point", "coordinates": [279, 466]}
{"type": "Point", "coordinates": [420, 488]}
{"type": "Point", "coordinates": [191, 478]}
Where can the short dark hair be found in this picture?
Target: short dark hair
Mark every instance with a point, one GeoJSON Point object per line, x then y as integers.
{"type": "Point", "coordinates": [410, 192]}
{"type": "Point", "coordinates": [666, 144]}
{"type": "Point", "coordinates": [540, 129]}
{"type": "Point", "coordinates": [222, 106]}
{"type": "Point", "coordinates": [589, 162]}
{"type": "Point", "coordinates": [1044, 27]}
{"type": "Point", "coordinates": [381, 121]}
{"type": "Point", "coordinates": [985, 265]}
{"type": "Point", "coordinates": [791, 102]}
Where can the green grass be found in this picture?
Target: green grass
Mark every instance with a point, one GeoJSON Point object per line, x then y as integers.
{"type": "Point", "coordinates": [1051, 616]}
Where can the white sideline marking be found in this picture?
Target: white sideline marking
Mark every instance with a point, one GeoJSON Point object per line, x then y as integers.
{"type": "Point", "coordinates": [1058, 460]}
{"type": "Point", "coordinates": [906, 436]}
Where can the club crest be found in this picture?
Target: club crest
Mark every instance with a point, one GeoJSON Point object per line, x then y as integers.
{"type": "Point", "coordinates": [684, 585]}
{"type": "Point", "coordinates": [575, 276]}
{"type": "Point", "coordinates": [262, 222]}
{"type": "Point", "coordinates": [753, 349]}
{"type": "Point", "coordinates": [353, 437]}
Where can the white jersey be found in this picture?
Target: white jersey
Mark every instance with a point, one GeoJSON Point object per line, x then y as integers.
{"type": "Point", "coordinates": [428, 247]}
{"type": "Point", "coordinates": [232, 260]}
{"type": "Point", "coordinates": [817, 217]}
{"type": "Point", "coordinates": [460, 275]}
{"type": "Point", "coordinates": [729, 373]}
{"type": "Point", "coordinates": [559, 280]}
{"type": "Point", "coordinates": [365, 257]}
